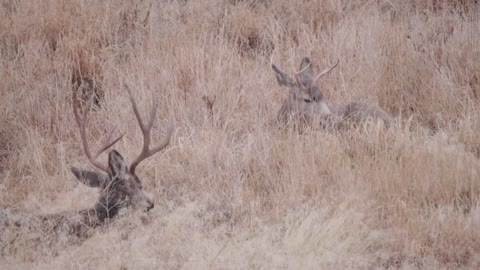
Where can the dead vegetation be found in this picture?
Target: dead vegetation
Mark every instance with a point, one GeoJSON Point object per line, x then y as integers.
{"type": "Point", "coordinates": [235, 191]}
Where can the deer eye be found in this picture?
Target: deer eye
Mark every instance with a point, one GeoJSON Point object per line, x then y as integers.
{"type": "Point", "coordinates": [307, 100]}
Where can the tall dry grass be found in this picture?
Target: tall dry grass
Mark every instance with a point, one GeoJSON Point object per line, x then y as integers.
{"type": "Point", "coordinates": [235, 191]}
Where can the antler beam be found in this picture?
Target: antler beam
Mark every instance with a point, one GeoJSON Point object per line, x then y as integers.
{"type": "Point", "coordinates": [81, 119]}
{"type": "Point", "coordinates": [146, 128]}
{"type": "Point", "coordinates": [326, 71]}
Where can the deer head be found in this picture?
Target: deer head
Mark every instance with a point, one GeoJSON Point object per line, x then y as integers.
{"type": "Point", "coordinates": [304, 98]}
{"type": "Point", "coordinates": [119, 184]}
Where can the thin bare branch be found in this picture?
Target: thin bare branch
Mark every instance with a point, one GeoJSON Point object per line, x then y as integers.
{"type": "Point", "coordinates": [145, 20]}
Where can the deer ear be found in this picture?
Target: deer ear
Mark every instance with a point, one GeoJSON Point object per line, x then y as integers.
{"type": "Point", "coordinates": [89, 178]}
{"type": "Point", "coordinates": [116, 164]}
{"type": "Point", "coordinates": [306, 71]}
{"type": "Point", "coordinates": [282, 78]}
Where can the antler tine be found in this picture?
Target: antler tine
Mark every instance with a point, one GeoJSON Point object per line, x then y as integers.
{"type": "Point", "coordinates": [82, 122]}
{"type": "Point", "coordinates": [296, 73]}
{"type": "Point", "coordinates": [302, 70]}
{"type": "Point", "coordinates": [106, 144]}
{"type": "Point", "coordinates": [326, 71]}
{"type": "Point", "coordinates": [146, 151]}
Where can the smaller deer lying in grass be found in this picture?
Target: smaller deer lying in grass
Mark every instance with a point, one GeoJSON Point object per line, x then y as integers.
{"type": "Point", "coordinates": [119, 186]}
{"type": "Point", "coordinates": [306, 102]}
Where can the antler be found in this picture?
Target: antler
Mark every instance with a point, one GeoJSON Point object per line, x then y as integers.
{"type": "Point", "coordinates": [326, 71]}
{"type": "Point", "coordinates": [297, 73]}
{"type": "Point", "coordinates": [146, 151]}
{"type": "Point", "coordinates": [82, 122]}
{"type": "Point", "coordinates": [300, 71]}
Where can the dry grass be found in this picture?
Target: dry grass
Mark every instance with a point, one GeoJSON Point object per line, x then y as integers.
{"type": "Point", "coordinates": [233, 190]}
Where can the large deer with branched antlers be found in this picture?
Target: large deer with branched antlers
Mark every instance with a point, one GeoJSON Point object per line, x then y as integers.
{"type": "Point", "coordinates": [307, 103]}
{"type": "Point", "coordinates": [119, 188]}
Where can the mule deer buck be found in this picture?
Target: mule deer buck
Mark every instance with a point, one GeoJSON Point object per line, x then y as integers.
{"type": "Point", "coordinates": [306, 102]}
{"type": "Point", "coordinates": [119, 188]}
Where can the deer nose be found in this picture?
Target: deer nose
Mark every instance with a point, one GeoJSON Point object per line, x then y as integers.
{"type": "Point", "coordinates": [318, 97]}
{"type": "Point", "coordinates": [148, 199]}
{"type": "Point", "coordinates": [150, 206]}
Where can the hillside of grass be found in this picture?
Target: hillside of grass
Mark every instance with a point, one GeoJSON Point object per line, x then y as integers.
{"type": "Point", "coordinates": [234, 189]}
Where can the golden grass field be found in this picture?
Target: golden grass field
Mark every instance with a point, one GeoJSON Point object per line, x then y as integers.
{"type": "Point", "coordinates": [235, 190]}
